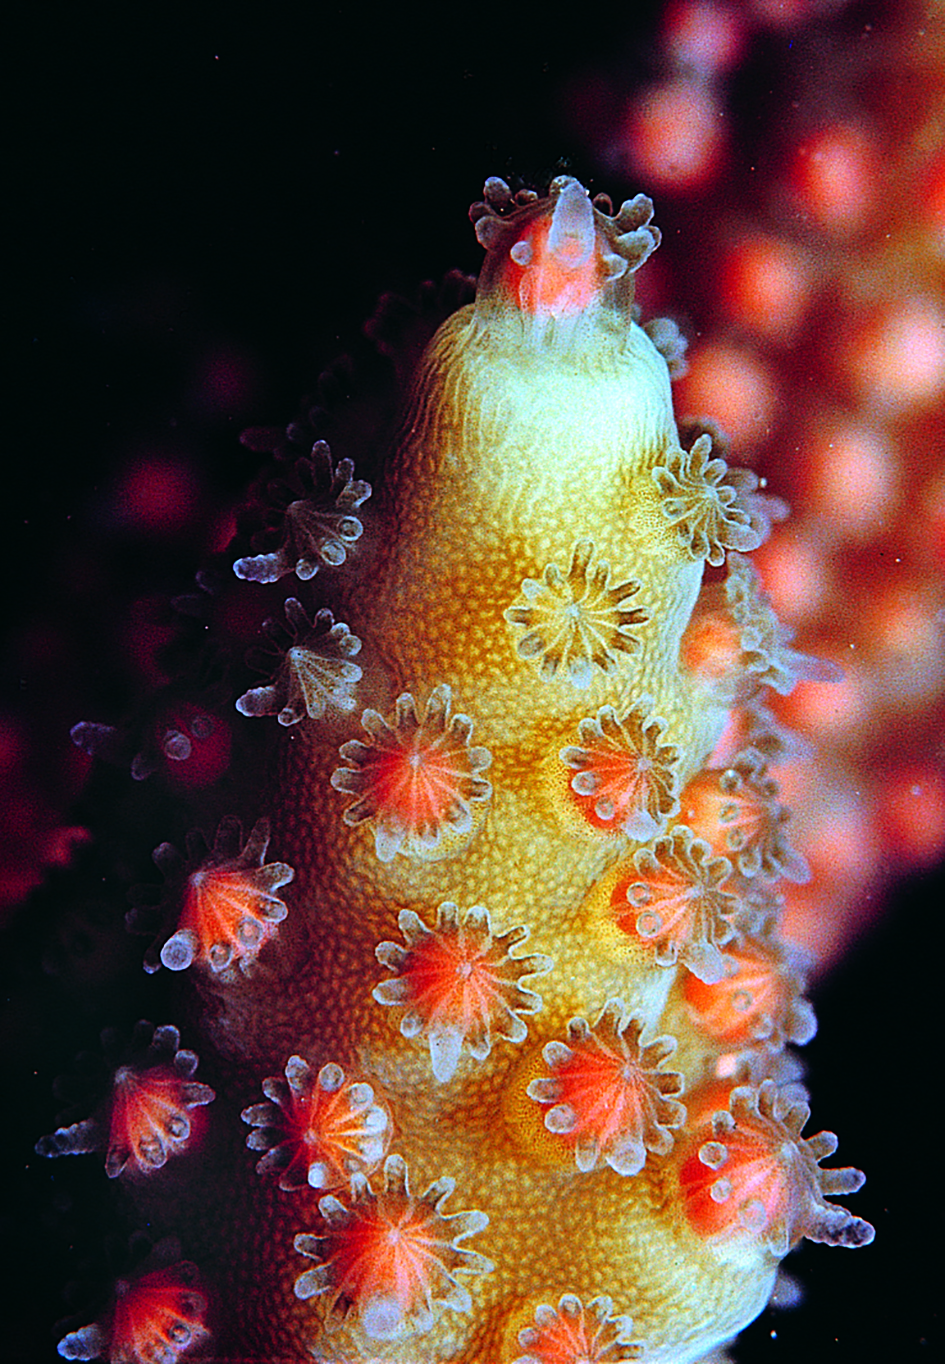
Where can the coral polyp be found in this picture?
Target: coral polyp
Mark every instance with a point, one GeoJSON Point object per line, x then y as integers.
{"type": "Point", "coordinates": [624, 777]}
{"type": "Point", "coordinates": [391, 1258]}
{"type": "Point", "coordinates": [314, 510]}
{"type": "Point", "coordinates": [610, 1100]}
{"type": "Point", "coordinates": [317, 1129]}
{"type": "Point", "coordinates": [226, 908]}
{"type": "Point", "coordinates": [736, 810]}
{"type": "Point", "coordinates": [315, 671]}
{"type": "Point", "coordinates": [415, 777]}
{"type": "Point", "coordinates": [675, 902]}
{"type": "Point", "coordinates": [458, 983]}
{"type": "Point", "coordinates": [754, 1175]}
{"type": "Point", "coordinates": [705, 501]}
{"type": "Point", "coordinates": [155, 1318]}
{"type": "Point", "coordinates": [146, 1113]}
{"type": "Point", "coordinates": [576, 621]}
{"type": "Point", "coordinates": [573, 1334]}
{"type": "Point", "coordinates": [531, 594]}
{"type": "Point", "coordinates": [757, 1000]}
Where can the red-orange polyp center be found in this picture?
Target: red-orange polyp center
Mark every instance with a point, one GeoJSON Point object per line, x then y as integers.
{"type": "Point", "coordinates": [555, 273]}
{"type": "Point", "coordinates": [384, 1263]}
{"type": "Point", "coordinates": [732, 1009]}
{"type": "Point", "coordinates": [564, 1342]}
{"type": "Point", "coordinates": [737, 1185]}
{"type": "Point", "coordinates": [451, 982]}
{"type": "Point", "coordinates": [155, 1318]}
{"type": "Point", "coordinates": [621, 788]}
{"type": "Point", "coordinates": [415, 785]}
{"type": "Point", "coordinates": [657, 908]}
{"type": "Point", "coordinates": [711, 647]}
{"type": "Point", "coordinates": [322, 1127]}
{"type": "Point", "coordinates": [603, 1091]}
{"type": "Point", "coordinates": [223, 907]}
{"type": "Point", "coordinates": [147, 1109]}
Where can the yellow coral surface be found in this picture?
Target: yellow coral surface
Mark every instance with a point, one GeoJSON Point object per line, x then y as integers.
{"type": "Point", "coordinates": [496, 902]}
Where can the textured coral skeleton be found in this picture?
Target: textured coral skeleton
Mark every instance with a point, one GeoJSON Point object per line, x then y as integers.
{"type": "Point", "coordinates": [482, 1157]}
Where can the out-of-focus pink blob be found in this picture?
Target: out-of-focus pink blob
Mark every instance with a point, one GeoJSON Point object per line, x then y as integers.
{"type": "Point", "coordinates": [835, 176]}
{"type": "Point", "coordinates": [850, 476]}
{"type": "Point", "coordinates": [912, 813]}
{"type": "Point", "coordinates": [734, 388]}
{"type": "Point", "coordinates": [929, 521]}
{"type": "Point", "coordinates": [905, 626]}
{"type": "Point", "coordinates": [674, 136]}
{"type": "Point", "coordinates": [895, 357]}
{"type": "Point", "coordinates": [835, 829]}
{"type": "Point", "coordinates": [834, 713]}
{"type": "Point", "coordinates": [226, 382]}
{"type": "Point", "coordinates": [158, 494]}
{"type": "Point", "coordinates": [703, 35]}
{"type": "Point", "coordinates": [764, 286]}
{"type": "Point", "coordinates": [794, 574]}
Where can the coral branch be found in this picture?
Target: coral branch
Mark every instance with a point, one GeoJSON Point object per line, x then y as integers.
{"type": "Point", "coordinates": [543, 549]}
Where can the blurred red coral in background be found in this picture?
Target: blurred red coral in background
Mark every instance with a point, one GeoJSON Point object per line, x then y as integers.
{"type": "Point", "coordinates": [795, 153]}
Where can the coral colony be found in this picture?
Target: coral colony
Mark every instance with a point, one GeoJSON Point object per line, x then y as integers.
{"type": "Point", "coordinates": [477, 934]}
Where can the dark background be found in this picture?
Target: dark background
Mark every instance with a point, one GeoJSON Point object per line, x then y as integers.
{"type": "Point", "coordinates": [206, 203]}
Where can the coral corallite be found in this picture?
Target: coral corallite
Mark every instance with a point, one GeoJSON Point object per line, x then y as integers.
{"type": "Point", "coordinates": [477, 983]}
